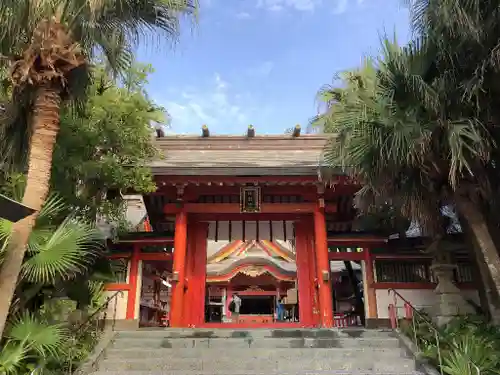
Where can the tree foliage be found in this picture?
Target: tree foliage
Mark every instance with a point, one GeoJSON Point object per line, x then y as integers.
{"type": "Point", "coordinates": [107, 146]}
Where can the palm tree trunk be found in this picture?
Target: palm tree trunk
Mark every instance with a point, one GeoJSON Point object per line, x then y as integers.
{"type": "Point", "coordinates": [45, 126]}
{"type": "Point", "coordinates": [479, 228]}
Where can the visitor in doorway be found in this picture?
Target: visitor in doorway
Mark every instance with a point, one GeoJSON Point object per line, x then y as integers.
{"type": "Point", "coordinates": [280, 310]}
{"type": "Point", "coordinates": [234, 307]}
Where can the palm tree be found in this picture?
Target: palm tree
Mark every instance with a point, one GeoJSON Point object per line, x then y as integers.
{"type": "Point", "coordinates": [401, 128]}
{"type": "Point", "coordinates": [49, 46]}
{"type": "Point", "coordinates": [60, 256]}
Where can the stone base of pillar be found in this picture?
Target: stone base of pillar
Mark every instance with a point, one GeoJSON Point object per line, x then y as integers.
{"type": "Point", "coordinates": [450, 301]}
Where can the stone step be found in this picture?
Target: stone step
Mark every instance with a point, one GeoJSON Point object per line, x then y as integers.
{"type": "Point", "coordinates": [222, 343]}
{"type": "Point", "coordinates": [255, 353]}
{"type": "Point", "coordinates": [256, 333]}
{"type": "Point", "coordinates": [304, 364]}
{"type": "Point", "coordinates": [238, 372]}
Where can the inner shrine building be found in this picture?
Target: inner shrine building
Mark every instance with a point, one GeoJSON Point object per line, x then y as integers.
{"type": "Point", "coordinates": [250, 215]}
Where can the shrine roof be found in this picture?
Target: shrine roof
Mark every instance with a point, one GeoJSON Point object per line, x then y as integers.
{"type": "Point", "coordinates": [239, 155]}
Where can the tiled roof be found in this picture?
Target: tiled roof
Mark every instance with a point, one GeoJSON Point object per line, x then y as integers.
{"type": "Point", "coordinates": [237, 155]}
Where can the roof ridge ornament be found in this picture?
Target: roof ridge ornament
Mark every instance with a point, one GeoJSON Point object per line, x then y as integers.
{"type": "Point", "coordinates": [250, 131]}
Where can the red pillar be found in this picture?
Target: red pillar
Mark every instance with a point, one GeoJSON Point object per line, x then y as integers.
{"type": "Point", "coordinates": [133, 279]}
{"type": "Point", "coordinates": [189, 296]}
{"type": "Point", "coordinates": [323, 269]}
{"type": "Point", "coordinates": [311, 256]}
{"type": "Point", "coordinates": [200, 273]}
{"type": "Point", "coordinates": [179, 267]}
{"type": "Point", "coordinates": [304, 276]}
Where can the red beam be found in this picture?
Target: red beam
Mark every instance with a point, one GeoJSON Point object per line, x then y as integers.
{"type": "Point", "coordinates": [148, 241]}
{"type": "Point", "coordinates": [346, 256]}
{"type": "Point", "coordinates": [117, 286]}
{"type": "Point", "coordinates": [155, 256]}
{"type": "Point", "coordinates": [234, 208]}
{"type": "Point", "coordinates": [247, 217]}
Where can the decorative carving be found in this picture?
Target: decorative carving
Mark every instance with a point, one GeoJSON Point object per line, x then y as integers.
{"type": "Point", "coordinates": [254, 288]}
{"type": "Point", "coordinates": [253, 271]}
{"type": "Point", "coordinates": [180, 192]}
{"type": "Point", "coordinates": [250, 199]}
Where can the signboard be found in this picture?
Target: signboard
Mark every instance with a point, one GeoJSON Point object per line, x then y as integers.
{"type": "Point", "coordinates": [250, 199]}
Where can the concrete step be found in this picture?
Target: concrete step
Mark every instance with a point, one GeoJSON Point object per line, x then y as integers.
{"type": "Point", "coordinates": [255, 333]}
{"type": "Point", "coordinates": [238, 372]}
{"type": "Point", "coordinates": [223, 343]}
{"type": "Point", "coordinates": [255, 353]}
{"type": "Point", "coordinates": [290, 364]}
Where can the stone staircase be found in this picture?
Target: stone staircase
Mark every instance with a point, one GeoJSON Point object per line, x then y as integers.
{"type": "Point", "coordinates": [257, 351]}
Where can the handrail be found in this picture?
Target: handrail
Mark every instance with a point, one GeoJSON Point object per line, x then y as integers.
{"type": "Point", "coordinates": [430, 325]}
{"type": "Point", "coordinates": [100, 309]}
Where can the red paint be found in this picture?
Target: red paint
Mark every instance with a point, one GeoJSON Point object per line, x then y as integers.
{"type": "Point", "coordinates": [275, 325]}
{"type": "Point", "coordinates": [190, 287]}
{"type": "Point", "coordinates": [309, 228]}
{"type": "Point", "coordinates": [408, 311]}
{"type": "Point", "coordinates": [346, 256]}
{"type": "Point", "coordinates": [303, 275]}
{"type": "Point", "coordinates": [200, 273]}
{"type": "Point", "coordinates": [133, 279]}
{"type": "Point", "coordinates": [234, 208]}
{"type": "Point", "coordinates": [156, 256]}
{"type": "Point", "coordinates": [147, 241]}
{"type": "Point", "coordinates": [179, 267]}
{"type": "Point", "coordinates": [248, 217]}
{"type": "Point", "coordinates": [117, 286]}
{"type": "Point", "coordinates": [323, 265]}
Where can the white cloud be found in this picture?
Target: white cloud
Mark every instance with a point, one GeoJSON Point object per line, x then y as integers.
{"type": "Point", "coordinates": [337, 6]}
{"type": "Point", "coordinates": [341, 6]}
{"type": "Point", "coordinates": [214, 105]}
{"type": "Point", "coordinates": [243, 15]}
{"type": "Point", "coordinates": [299, 5]}
{"type": "Point", "coordinates": [261, 70]}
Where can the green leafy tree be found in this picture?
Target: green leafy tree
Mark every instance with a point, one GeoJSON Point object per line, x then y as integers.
{"type": "Point", "coordinates": [49, 46]}
{"type": "Point", "coordinates": [105, 149]}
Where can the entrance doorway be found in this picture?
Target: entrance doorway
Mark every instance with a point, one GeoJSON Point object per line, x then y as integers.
{"type": "Point", "coordinates": [155, 293]}
{"type": "Point", "coordinates": [252, 264]}
{"type": "Point", "coordinates": [346, 266]}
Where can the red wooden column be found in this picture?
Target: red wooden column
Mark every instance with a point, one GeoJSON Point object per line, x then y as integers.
{"type": "Point", "coordinates": [133, 279]}
{"type": "Point", "coordinates": [188, 315]}
{"type": "Point", "coordinates": [200, 273]}
{"type": "Point", "coordinates": [179, 267]}
{"type": "Point", "coordinates": [323, 269]}
{"type": "Point", "coordinates": [371, 296]}
{"type": "Point", "coordinates": [304, 276]}
{"type": "Point", "coordinates": [312, 271]}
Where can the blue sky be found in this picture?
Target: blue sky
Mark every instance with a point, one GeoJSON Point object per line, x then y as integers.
{"type": "Point", "coordinates": [261, 62]}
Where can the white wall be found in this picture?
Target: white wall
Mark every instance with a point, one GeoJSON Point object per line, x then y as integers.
{"type": "Point", "coordinates": [420, 298]}
{"type": "Point", "coordinates": [120, 301]}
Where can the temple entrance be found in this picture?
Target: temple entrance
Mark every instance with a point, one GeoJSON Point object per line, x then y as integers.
{"type": "Point", "coordinates": [346, 266]}
{"type": "Point", "coordinates": [251, 273]}
{"type": "Point", "coordinates": [155, 293]}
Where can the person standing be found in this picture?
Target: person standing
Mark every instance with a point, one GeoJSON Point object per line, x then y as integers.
{"type": "Point", "coordinates": [234, 307]}
{"type": "Point", "coordinates": [280, 309]}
